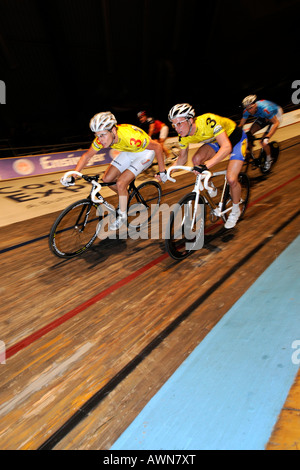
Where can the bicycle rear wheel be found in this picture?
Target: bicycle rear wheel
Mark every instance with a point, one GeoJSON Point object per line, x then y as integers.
{"type": "Point", "coordinates": [75, 229]}
{"type": "Point", "coordinates": [183, 236]}
{"type": "Point", "coordinates": [143, 204]}
{"type": "Point", "coordinates": [227, 202]}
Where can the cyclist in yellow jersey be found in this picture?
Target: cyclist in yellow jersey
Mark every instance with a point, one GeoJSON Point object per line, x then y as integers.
{"type": "Point", "coordinates": [221, 138]}
{"type": "Point", "coordinates": [137, 151]}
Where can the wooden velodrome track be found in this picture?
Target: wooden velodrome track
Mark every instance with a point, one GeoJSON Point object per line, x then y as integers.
{"type": "Point", "coordinates": [90, 340]}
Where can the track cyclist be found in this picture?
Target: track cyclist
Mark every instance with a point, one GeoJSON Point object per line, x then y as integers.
{"type": "Point", "coordinates": [137, 151]}
{"type": "Point", "coordinates": [221, 138]}
{"type": "Point", "coordinates": [267, 114]}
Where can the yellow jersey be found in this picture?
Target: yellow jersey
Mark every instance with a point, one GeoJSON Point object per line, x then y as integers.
{"type": "Point", "coordinates": [209, 126]}
{"type": "Point", "coordinates": [130, 139]}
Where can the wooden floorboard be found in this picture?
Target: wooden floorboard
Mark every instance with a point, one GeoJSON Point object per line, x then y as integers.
{"type": "Point", "coordinates": [53, 376]}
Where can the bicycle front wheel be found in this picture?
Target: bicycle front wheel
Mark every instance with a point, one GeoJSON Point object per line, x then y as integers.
{"type": "Point", "coordinates": [185, 230]}
{"type": "Point", "coordinates": [143, 203]}
{"type": "Point", "coordinates": [75, 229]}
{"type": "Point", "coordinates": [227, 201]}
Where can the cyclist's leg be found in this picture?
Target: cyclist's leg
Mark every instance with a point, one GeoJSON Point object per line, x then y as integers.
{"type": "Point", "coordinates": [122, 184]}
{"type": "Point", "coordinates": [266, 147]}
{"type": "Point", "coordinates": [204, 153]}
{"type": "Point", "coordinates": [139, 162]}
{"type": "Point", "coordinates": [258, 124]}
{"type": "Point", "coordinates": [114, 170]}
{"type": "Point", "coordinates": [266, 152]}
{"type": "Point", "coordinates": [234, 168]}
{"type": "Point", "coordinates": [164, 132]}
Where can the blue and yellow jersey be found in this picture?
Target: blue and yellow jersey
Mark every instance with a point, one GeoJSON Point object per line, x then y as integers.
{"type": "Point", "coordinates": [130, 139]}
{"type": "Point", "coordinates": [209, 126]}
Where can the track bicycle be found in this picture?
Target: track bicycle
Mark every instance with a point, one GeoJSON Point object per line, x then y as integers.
{"type": "Point", "coordinates": [259, 162]}
{"type": "Point", "coordinates": [185, 229]}
{"type": "Point", "coordinates": [77, 226]}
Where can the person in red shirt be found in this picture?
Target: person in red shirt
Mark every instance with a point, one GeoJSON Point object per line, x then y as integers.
{"type": "Point", "coordinates": [156, 129]}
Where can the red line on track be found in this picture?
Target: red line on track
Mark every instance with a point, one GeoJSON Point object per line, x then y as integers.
{"type": "Point", "coordinates": [72, 313]}
{"type": "Point", "coordinates": [126, 280]}
{"type": "Point", "coordinates": [274, 190]}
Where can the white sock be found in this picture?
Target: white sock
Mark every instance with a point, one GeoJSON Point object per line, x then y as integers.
{"type": "Point", "coordinates": [122, 214]}
{"type": "Point", "coordinates": [235, 208]}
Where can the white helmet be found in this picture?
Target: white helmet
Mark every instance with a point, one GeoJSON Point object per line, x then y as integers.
{"type": "Point", "coordinates": [249, 100]}
{"type": "Point", "coordinates": [181, 110]}
{"type": "Point", "coordinates": [103, 122]}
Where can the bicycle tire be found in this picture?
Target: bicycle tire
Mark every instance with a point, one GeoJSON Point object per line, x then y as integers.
{"type": "Point", "coordinates": [227, 201]}
{"type": "Point", "coordinates": [180, 242]}
{"type": "Point", "coordinates": [66, 238]}
{"type": "Point", "coordinates": [145, 202]}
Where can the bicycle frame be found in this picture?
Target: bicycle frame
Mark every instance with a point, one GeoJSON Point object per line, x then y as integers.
{"type": "Point", "coordinates": [98, 199]}
{"type": "Point", "coordinates": [201, 185]}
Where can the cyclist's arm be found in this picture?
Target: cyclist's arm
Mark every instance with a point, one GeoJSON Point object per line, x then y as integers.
{"type": "Point", "coordinates": [274, 120]}
{"type": "Point", "coordinates": [223, 152]}
{"type": "Point", "coordinates": [158, 153]}
{"type": "Point", "coordinates": [85, 158]}
{"type": "Point", "coordinates": [182, 157]}
{"type": "Point", "coordinates": [243, 122]}
{"type": "Point", "coordinates": [151, 129]}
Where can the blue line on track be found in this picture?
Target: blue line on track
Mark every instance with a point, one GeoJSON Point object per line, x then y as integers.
{"type": "Point", "coordinates": [229, 392]}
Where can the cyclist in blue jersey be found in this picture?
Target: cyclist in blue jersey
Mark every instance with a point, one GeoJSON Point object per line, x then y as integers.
{"type": "Point", "coordinates": [267, 114]}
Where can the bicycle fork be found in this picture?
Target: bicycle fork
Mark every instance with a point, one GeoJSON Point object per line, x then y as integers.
{"type": "Point", "coordinates": [80, 226]}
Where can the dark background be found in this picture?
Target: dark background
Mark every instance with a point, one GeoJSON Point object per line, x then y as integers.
{"type": "Point", "coordinates": [64, 61]}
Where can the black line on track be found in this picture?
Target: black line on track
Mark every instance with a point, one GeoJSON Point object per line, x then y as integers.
{"type": "Point", "coordinates": [34, 240]}
{"type": "Point", "coordinates": [4, 250]}
{"type": "Point", "coordinates": [96, 399]}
